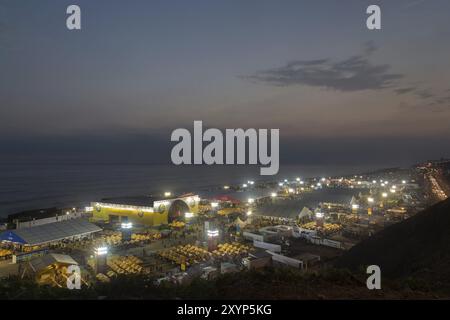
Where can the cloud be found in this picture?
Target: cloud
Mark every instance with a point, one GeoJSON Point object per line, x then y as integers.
{"type": "Point", "coordinates": [424, 93]}
{"type": "Point", "coordinates": [405, 90]}
{"type": "Point", "coordinates": [355, 73]}
{"type": "Point", "coordinates": [352, 74]}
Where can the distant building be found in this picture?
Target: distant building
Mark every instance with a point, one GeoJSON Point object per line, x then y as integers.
{"type": "Point", "coordinates": [145, 210]}
{"type": "Point", "coordinates": [50, 233]}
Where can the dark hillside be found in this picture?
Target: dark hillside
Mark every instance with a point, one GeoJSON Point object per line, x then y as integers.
{"type": "Point", "coordinates": [417, 248]}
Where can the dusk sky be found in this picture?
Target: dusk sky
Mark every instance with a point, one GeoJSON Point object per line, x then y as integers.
{"type": "Point", "coordinates": [338, 92]}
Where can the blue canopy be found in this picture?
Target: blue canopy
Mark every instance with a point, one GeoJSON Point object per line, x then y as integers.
{"type": "Point", "coordinates": [11, 236]}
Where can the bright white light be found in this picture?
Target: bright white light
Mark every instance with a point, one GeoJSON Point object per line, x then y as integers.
{"type": "Point", "coordinates": [383, 184]}
{"type": "Point", "coordinates": [359, 182]}
{"type": "Point", "coordinates": [302, 182]}
{"type": "Point", "coordinates": [251, 182]}
{"type": "Point", "coordinates": [291, 190]}
{"type": "Point", "coordinates": [128, 207]}
{"type": "Point", "coordinates": [67, 212]}
{"type": "Point", "coordinates": [392, 190]}
{"type": "Point", "coordinates": [101, 251]}
{"type": "Point", "coordinates": [285, 180]}
{"type": "Point", "coordinates": [323, 179]}
{"type": "Point", "coordinates": [319, 215]}
{"type": "Point", "coordinates": [188, 215]}
{"type": "Point", "coordinates": [303, 189]}
{"type": "Point", "coordinates": [280, 184]}
{"type": "Point", "coordinates": [214, 204]}
{"type": "Point", "coordinates": [251, 200]}
{"type": "Point", "coordinates": [384, 194]}
{"type": "Point", "coordinates": [212, 233]}
{"type": "Point", "coordinates": [249, 213]}
{"type": "Point", "coordinates": [89, 209]}
{"type": "Point", "coordinates": [370, 200]}
{"type": "Point", "coordinates": [126, 225]}
{"type": "Point", "coordinates": [403, 181]}
{"type": "Point", "coordinates": [319, 184]}
{"type": "Point", "coordinates": [374, 181]}
{"type": "Point", "coordinates": [273, 194]}
{"type": "Point", "coordinates": [394, 187]}
{"type": "Point", "coordinates": [167, 194]}
{"type": "Point", "coordinates": [226, 187]}
{"type": "Point", "coordinates": [355, 206]}
{"type": "Point", "coordinates": [244, 185]}
{"type": "Point", "coordinates": [298, 179]}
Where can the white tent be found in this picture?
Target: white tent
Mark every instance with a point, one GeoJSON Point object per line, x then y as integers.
{"type": "Point", "coordinates": [306, 212]}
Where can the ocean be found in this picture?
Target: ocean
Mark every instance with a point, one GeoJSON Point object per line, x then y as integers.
{"type": "Point", "coordinates": [34, 186]}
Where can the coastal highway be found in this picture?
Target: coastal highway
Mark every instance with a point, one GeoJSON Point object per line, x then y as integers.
{"type": "Point", "coordinates": [436, 182]}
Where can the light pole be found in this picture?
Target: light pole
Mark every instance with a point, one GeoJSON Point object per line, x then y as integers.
{"type": "Point", "coordinates": [126, 231]}
{"type": "Point", "coordinates": [101, 254]}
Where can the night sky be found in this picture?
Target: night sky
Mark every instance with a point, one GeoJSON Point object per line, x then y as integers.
{"type": "Point", "coordinates": [137, 70]}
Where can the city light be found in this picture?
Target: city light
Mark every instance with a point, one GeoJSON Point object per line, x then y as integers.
{"type": "Point", "coordinates": [126, 225]}
{"type": "Point", "coordinates": [392, 190]}
{"type": "Point", "coordinates": [251, 182]}
{"type": "Point", "coordinates": [319, 215]}
{"type": "Point", "coordinates": [188, 215]}
{"type": "Point", "coordinates": [214, 204]}
{"type": "Point", "coordinates": [374, 181]}
{"type": "Point", "coordinates": [403, 181]}
{"type": "Point", "coordinates": [290, 190]}
{"type": "Point", "coordinates": [280, 184]}
{"type": "Point", "coordinates": [298, 179]}
{"type": "Point", "coordinates": [384, 194]}
{"type": "Point", "coordinates": [319, 184]}
{"type": "Point", "coordinates": [226, 187]}
{"type": "Point", "coordinates": [323, 179]}
{"type": "Point", "coordinates": [89, 209]}
{"type": "Point", "coordinates": [212, 233]}
{"type": "Point", "coordinates": [370, 200]}
{"type": "Point", "coordinates": [273, 194]}
{"type": "Point", "coordinates": [302, 182]}
{"type": "Point", "coordinates": [128, 207]}
{"type": "Point", "coordinates": [100, 251]}
{"type": "Point", "coordinates": [355, 206]}
{"type": "Point", "coordinates": [251, 200]}
{"type": "Point", "coordinates": [249, 213]}
{"type": "Point", "coordinates": [167, 194]}
{"type": "Point", "coordinates": [244, 185]}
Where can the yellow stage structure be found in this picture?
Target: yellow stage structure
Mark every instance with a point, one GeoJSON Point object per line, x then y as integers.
{"type": "Point", "coordinates": [161, 213]}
